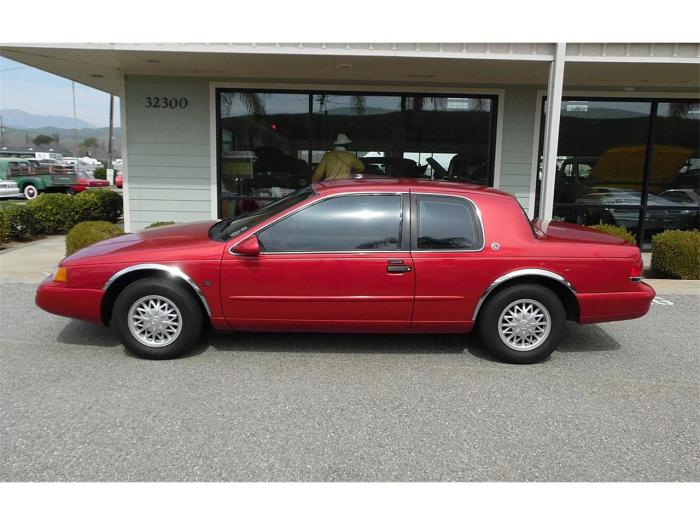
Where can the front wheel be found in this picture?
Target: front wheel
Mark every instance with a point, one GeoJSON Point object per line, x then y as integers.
{"type": "Point", "coordinates": [522, 324]}
{"type": "Point", "coordinates": [157, 319]}
{"type": "Point", "coordinates": [30, 192]}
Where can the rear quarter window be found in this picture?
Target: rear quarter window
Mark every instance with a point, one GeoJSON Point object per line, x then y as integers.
{"type": "Point", "coordinates": [446, 223]}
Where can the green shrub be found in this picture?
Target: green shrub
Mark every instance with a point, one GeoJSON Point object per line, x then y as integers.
{"type": "Point", "coordinates": [21, 219]}
{"type": "Point", "coordinates": [676, 253]}
{"type": "Point", "coordinates": [160, 223]}
{"type": "Point", "coordinates": [53, 212]}
{"type": "Point", "coordinates": [90, 232]}
{"type": "Point", "coordinates": [100, 173]}
{"type": "Point", "coordinates": [617, 231]}
{"type": "Point", "coordinates": [5, 227]}
{"type": "Point", "coordinates": [98, 205]}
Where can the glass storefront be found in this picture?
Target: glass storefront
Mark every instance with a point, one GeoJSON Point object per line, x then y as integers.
{"type": "Point", "coordinates": [272, 143]}
{"type": "Point", "coordinates": [628, 162]}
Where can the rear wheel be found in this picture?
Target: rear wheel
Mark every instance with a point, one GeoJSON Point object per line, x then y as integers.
{"type": "Point", "coordinates": [522, 324]}
{"type": "Point", "coordinates": [30, 192]}
{"type": "Point", "coordinates": [157, 319]}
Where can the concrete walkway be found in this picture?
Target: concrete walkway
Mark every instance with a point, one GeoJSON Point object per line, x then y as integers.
{"type": "Point", "coordinates": [32, 262]}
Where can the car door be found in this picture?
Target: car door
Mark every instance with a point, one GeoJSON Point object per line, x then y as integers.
{"type": "Point", "coordinates": [340, 263]}
{"type": "Point", "coordinates": [447, 242]}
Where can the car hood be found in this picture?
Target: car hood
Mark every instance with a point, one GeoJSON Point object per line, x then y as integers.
{"type": "Point", "coordinates": [166, 243]}
{"type": "Point", "coordinates": [557, 231]}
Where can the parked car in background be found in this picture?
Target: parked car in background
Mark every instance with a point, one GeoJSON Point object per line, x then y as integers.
{"type": "Point", "coordinates": [86, 181]}
{"type": "Point", "coordinates": [682, 197]}
{"type": "Point", "coordinates": [8, 189]}
{"type": "Point", "coordinates": [119, 180]}
{"type": "Point", "coordinates": [365, 255]}
{"type": "Point", "coordinates": [32, 179]}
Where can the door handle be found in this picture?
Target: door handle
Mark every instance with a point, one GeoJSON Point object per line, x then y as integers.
{"type": "Point", "coordinates": [398, 268]}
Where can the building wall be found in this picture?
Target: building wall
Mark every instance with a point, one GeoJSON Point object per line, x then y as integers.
{"type": "Point", "coordinates": [169, 160]}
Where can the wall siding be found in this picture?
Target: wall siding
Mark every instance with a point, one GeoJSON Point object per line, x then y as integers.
{"type": "Point", "coordinates": [169, 170]}
{"type": "Point", "coordinates": [517, 142]}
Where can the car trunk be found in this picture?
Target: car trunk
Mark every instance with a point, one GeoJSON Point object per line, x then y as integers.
{"type": "Point", "coordinates": [557, 231]}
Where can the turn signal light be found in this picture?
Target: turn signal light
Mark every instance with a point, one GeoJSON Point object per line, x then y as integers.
{"type": "Point", "coordinates": [61, 275]}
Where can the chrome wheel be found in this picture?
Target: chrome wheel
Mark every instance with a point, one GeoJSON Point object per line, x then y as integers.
{"type": "Point", "coordinates": [524, 325]}
{"type": "Point", "coordinates": [155, 321]}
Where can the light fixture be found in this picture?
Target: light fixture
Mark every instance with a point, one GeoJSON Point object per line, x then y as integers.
{"type": "Point", "coordinates": [343, 66]}
{"type": "Point", "coordinates": [153, 61]}
{"type": "Point", "coordinates": [627, 88]}
{"type": "Point", "coordinates": [97, 75]}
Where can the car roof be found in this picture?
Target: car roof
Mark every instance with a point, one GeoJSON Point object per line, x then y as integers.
{"type": "Point", "coordinates": [388, 184]}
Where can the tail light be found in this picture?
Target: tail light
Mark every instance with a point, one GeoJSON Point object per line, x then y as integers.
{"type": "Point", "coordinates": [637, 268]}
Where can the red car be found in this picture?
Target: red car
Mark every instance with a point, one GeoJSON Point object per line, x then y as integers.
{"type": "Point", "coordinates": [374, 255]}
{"type": "Point", "coordinates": [87, 181]}
{"type": "Point", "coordinates": [118, 180]}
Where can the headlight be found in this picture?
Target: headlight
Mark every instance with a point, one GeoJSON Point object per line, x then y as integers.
{"type": "Point", "coordinates": [60, 275]}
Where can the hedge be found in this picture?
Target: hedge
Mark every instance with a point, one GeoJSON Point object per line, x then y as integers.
{"type": "Point", "coordinates": [100, 173]}
{"type": "Point", "coordinates": [21, 221]}
{"type": "Point", "coordinates": [90, 232]}
{"type": "Point", "coordinates": [617, 231]}
{"type": "Point", "coordinates": [98, 205]}
{"type": "Point", "coordinates": [159, 224]}
{"type": "Point", "coordinates": [53, 212]}
{"type": "Point", "coordinates": [5, 228]}
{"type": "Point", "coordinates": [676, 253]}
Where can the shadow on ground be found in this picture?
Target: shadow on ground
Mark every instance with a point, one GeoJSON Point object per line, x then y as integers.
{"type": "Point", "coordinates": [590, 338]}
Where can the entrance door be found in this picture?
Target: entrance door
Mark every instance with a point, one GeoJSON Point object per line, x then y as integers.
{"type": "Point", "coordinates": [335, 265]}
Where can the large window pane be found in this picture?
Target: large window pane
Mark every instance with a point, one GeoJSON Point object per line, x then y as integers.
{"type": "Point", "coordinates": [370, 122]}
{"type": "Point", "coordinates": [602, 151]}
{"type": "Point", "coordinates": [449, 137]}
{"type": "Point", "coordinates": [358, 222]}
{"type": "Point", "coordinates": [675, 167]}
{"type": "Point", "coordinates": [264, 146]}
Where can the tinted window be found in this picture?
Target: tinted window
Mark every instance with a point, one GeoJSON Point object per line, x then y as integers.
{"type": "Point", "coordinates": [447, 223]}
{"type": "Point", "coordinates": [357, 222]}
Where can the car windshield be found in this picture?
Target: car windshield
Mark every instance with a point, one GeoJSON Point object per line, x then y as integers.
{"type": "Point", "coordinates": [236, 225]}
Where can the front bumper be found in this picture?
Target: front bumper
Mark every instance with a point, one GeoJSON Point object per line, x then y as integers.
{"type": "Point", "coordinates": [616, 306]}
{"type": "Point", "coordinates": [78, 303]}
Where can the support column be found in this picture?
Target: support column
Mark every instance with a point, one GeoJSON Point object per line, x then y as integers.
{"type": "Point", "coordinates": [551, 131]}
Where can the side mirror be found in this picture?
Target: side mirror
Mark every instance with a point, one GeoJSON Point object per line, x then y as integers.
{"type": "Point", "coordinates": [250, 246]}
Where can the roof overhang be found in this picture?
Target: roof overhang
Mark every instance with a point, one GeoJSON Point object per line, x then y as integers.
{"type": "Point", "coordinates": [103, 66]}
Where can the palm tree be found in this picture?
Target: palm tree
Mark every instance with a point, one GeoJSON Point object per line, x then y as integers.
{"type": "Point", "coordinates": [252, 102]}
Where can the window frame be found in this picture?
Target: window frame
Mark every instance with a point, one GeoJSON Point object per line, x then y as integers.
{"type": "Point", "coordinates": [415, 217]}
{"type": "Point", "coordinates": [404, 223]}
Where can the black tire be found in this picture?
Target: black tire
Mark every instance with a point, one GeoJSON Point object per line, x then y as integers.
{"type": "Point", "coordinates": [71, 192]}
{"type": "Point", "coordinates": [191, 317]}
{"type": "Point", "coordinates": [490, 315]}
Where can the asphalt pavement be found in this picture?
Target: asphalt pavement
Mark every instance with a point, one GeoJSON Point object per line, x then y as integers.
{"type": "Point", "coordinates": [617, 402]}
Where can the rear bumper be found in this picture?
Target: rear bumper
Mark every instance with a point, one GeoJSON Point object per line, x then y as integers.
{"type": "Point", "coordinates": [78, 303]}
{"type": "Point", "coordinates": [615, 306]}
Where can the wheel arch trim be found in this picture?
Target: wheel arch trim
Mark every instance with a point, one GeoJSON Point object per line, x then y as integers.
{"type": "Point", "coordinates": [525, 272]}
{"type": "Point", "coordinates": [173, 271]}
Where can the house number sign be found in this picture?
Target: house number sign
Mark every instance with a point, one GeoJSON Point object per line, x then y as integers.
{"type": "Point", "coordinates": [167, 102]}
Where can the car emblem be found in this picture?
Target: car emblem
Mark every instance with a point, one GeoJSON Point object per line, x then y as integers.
{"type": "Point", "coordinates": [495, 246]}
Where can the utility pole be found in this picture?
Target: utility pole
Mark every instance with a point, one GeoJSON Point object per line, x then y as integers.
{"type": "Point", "coordinates": [2, 132]}
{"type": "Point", "coordinates": [75, 123]}
{"type": "Point", "coordinates": [111, 125]}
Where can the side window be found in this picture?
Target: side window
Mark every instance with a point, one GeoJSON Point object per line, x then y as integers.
{"type": "Point", "coordinates": [354, 222]}
{"type": "Point", "coordinates": [446, 223]}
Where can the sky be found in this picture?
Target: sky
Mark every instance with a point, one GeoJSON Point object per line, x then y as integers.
{"type": "Point", "coordinates": [35, 91]}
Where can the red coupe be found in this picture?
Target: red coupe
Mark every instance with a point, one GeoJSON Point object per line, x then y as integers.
{"type": "Point", "coordinates": [86, 181]}
{"type": "Point", "coordinates": [374, 255]}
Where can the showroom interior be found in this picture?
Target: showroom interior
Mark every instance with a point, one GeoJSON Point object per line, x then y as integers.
{"type": "Point", "coordinates": [586, 133]}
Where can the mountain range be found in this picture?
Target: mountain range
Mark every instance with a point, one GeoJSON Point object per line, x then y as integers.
{"type": "Point", "coordinates": [18, 119]}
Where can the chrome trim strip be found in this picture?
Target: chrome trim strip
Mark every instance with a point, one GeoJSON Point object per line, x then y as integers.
{"type": "Point", "coordinates": [520, 273]}
{"type": "Point", "coordinates": [636, 279]}
{"type": "Point", "coordinates": [174, 271]}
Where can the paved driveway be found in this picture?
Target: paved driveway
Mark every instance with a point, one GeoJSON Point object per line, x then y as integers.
{"type": "Point", "coordinates": [618, 402]}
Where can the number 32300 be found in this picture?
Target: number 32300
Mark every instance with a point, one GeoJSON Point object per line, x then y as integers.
{"type": "Point", "coordinates": [167, 102]}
